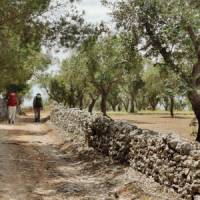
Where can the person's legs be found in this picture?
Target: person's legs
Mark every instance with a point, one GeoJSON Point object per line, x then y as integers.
{"type": "Point", "coordinates": [9, 114]}
{"type": "Point", "coordinates": [13, 114]}
{"type": "Point", "coordinates": [38, 114]}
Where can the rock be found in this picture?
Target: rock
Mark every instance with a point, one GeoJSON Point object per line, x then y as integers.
{"type": "Point", "coordinates": [197, 174]}
{"type": "Point", "coordinates": [186, 148]}
{"type": "Point", "coordinates": [173, 143]}
{"type": "Point", "coordinates": [196, 197]}
{"type": "Point", "coordinates": [195, 154]}
{"type": "Point", "coordinates": [177, 158]}
{"type": "Point", "coordinates": [197, 164]}
{"type": "Point", "coordinates": [196, 188]}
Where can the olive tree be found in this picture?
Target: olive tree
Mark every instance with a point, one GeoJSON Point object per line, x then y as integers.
{"type": "Point", "coordinates": [168, 31]}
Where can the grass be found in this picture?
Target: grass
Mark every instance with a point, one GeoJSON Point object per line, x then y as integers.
{"type": "Point", "coordinates": [149, 112]}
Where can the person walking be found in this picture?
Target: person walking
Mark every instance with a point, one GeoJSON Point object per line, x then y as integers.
{"type": "Point", "coordinates": [37, 106]}
{"type": "Point", "coordinates": [12, 106]}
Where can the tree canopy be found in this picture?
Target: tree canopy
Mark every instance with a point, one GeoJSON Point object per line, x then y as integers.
{"type": "Point", "coordinates": [25, 28]}
{"type": "Point", "coordinates": [173, 39]}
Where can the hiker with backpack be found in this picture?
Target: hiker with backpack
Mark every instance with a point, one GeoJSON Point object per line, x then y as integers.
{"type": "Point", "coordinates": [37, 106]}
{"type": "Point", "coordinates": [12, 106]}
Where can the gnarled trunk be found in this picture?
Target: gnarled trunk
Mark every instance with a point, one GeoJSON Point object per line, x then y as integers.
{"type": "Point", "coordinates": [166, 103]}
{"type": "Point", "coordinates": [92, 103]}
{"type": "Point", "coordinates": [153, 105]}
{"type": "Point", "coordinates": [72, 101]}
{"type": "Point", "coordinates": [194, 98]}
{"type": "Point", "coordinates": [119, 107]}
{"type": "Point", "coordinates": [172, 106]}
{"type": "Point", "coordinates": [126, 104]}
{"type": "Point", "coordinates": [132, 101]}
{"type": "Point", "coordinates": [81, 102]}
{"type": "Point", "coordinates": [113, 107]}
{"type": "Point", "coordinates": [91, 106]}
{"type": "Point", "coordinates": [153, 101]}
{"type": "Point", "coordinates": [104, 96]}
{"type": "Point", "coordinates": [193, 95]}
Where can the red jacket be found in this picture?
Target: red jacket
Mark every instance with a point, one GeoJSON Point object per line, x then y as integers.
{"type": "Point", "coordinates": [12, 99]}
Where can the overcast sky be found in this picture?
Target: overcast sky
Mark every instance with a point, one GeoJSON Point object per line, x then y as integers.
{"type": "Point", "coordinates": [95, 12]}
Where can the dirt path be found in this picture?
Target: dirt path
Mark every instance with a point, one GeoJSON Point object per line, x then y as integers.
{"type": "Point", "coordinates": [36, 165]}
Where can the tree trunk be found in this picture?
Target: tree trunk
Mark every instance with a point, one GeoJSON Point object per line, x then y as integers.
{"type": "Point", "coordinates": [132, 109]}
{"type": "Point", "coordinates": [172, 106]}
{"type": "Point", "coordinates": [119, 107]}
{"type": "Point", "coordinates": [192, 94]}
{"type": "Point", "coordinates": [104, 96]}
{"type": "Point", "coordinates": [126, 104]}
{"type": "Point", "coordinates": [153, 105]}
{"type": "Point", "coordinates": [72, 101]}
{"type": "Point", "coordinates": [166, 103]}
{"type": "Point", "coordinates": [91, 106]}
{"type": "Point", "coordinates": [113, 107]}
{"type": "Point", "coordinates": [138, 105]}
{"type": "Point", "coordinates": [194, 98]}
{"type": "Point", "coordinates": [153, 101]}
{"type": "Point", "coordinates": [81, 102]}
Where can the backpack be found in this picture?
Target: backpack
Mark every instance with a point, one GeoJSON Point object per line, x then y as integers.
{"type": "Point", "coordinates": [38, 102]}
{"type": "Point", "coordinates": [12, 99]}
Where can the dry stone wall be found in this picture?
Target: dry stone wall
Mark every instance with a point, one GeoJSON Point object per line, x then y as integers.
{"type": "Point", "coordinates": [169, 160]}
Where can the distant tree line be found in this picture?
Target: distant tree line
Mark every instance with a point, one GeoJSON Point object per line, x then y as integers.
{"type": "Point", "coordinates": [109, 73]}
{"type": "Point", "coordinates": [116, 67]}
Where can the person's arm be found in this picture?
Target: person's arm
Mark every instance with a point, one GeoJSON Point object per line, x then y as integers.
{"type": "Point", "coordinates": [18, 101]}
{"type": "Point", "coordinates": [42, 104]}
{"type": "Point", "coordinates": [6, 99]}
{"type": "Point", "coordinates": [34, 102]}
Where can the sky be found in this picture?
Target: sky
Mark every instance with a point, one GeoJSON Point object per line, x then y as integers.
{"type": "Point", "coordinates": [95, 12]}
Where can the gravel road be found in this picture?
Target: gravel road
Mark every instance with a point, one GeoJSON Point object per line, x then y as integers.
{"type": "Point", "coordinates": [35, 164]}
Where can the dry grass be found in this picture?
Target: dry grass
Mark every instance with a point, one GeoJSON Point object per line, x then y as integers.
{"type": "Point", "coordinates": [160, 121]}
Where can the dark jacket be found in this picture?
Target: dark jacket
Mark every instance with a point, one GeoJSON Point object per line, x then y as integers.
{"type": "Point", "coordinates": [37, 102]}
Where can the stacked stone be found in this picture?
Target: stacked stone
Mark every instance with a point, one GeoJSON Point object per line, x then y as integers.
{"type": "Point", "coordinates": [99, 137]}
{"type": "Point", "coordinates": [110, 138]}
{"type": "Point", "coordinates": [169, 160]}
{"type": "Point", "coordinates": [102, 133]}
{"type": "Point", "coordinates": [72, 120]}
{"type": "Point", "coordinates": [119, 145]}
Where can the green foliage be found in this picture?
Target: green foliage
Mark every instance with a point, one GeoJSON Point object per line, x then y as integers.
{"type": "Point", "coordinates": [105, 63]}
{"type": "Point", "coordinates": [25, 26]}
{"type": "Point", "coordinates": [154, 86]}
{"type": "Point", "coordinates": [20, 41]}
{"type": "Point", "coordinates": [115, 66]}
{"type": "Point", "coordinates": [134, 65]}
{"type": "Point", "coordinates": [161, 31]}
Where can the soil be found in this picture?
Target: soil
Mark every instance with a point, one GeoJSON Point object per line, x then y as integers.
{"type": "Point", "coordinates": [38, 163]}
{"type": "Point", "coordinates": [163, 123]}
